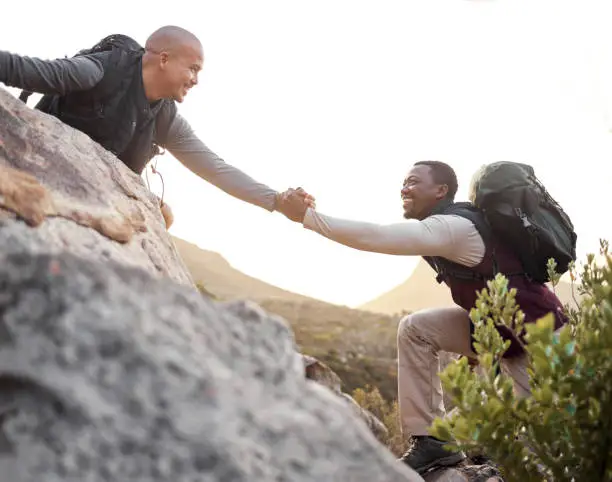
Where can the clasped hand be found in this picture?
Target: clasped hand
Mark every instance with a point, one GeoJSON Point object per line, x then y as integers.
{"type": "Point", "coordinates": [293, 203]}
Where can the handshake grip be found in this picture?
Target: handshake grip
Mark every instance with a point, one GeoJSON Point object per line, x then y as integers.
{"type": "Point", "coordinates": [293, 203]}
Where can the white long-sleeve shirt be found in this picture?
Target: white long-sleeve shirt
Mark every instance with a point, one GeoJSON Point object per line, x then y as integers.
{"type": "Point", "coordinates": [449, 236]}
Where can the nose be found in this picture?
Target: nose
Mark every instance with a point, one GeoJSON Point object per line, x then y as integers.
{"type": "Point", "coordinates": [405, 190]}
{"type": "Point", "coordinates": [194, 79]}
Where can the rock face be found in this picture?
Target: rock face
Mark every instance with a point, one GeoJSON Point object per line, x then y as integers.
{"type": "Point", "coordinates": [80, 198]}
{"type": "Point", "coordinates": [321, 373]}
{"type": "Point", "coordinates": [114, 367]}
{"type": "Point", "coordinates": [465, 473]}
{"type": "Point", "coordinates": [109, 374]}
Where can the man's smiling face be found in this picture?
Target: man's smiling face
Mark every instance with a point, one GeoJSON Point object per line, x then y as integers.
{"type": "Point", "coordinates": [420, 193]}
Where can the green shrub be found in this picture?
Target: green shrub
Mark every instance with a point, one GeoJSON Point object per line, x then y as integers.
{"type": "Point", "coordinates": [563, 432]}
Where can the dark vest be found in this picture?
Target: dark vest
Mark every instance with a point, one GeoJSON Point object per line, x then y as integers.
{"type": "Point", "coordinates": [115, 113]}
{"type": "Point", "coordinates": [534, 299]}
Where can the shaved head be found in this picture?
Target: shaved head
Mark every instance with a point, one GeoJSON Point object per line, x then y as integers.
{"type": "Point", "coordinates": [170, 38]}
{"type": "Point", "coordinates": [171, 63]}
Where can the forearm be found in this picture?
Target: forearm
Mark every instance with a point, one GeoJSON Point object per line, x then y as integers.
{"type": "Point", "coordinates": [194, 154]}
{"type": "Point", "coordinates": [450, 237]}
{"type": "Point", "coordinates": [229, 179]}
{"type": "Point", "coordinates": [58, 76]}
{"type": "Point", "coordinates": [401, 239]}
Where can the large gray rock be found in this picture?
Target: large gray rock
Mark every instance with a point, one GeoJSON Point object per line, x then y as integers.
{"type": "Point", "coordinates": [109, 374]}
{"type": "Point", "coordinates": [465, 473]}
{"type": "Point", "coordinates": [80, 198]}
{"type": "Point", "coordinates": [114, 368]}
{"type": "Point", "coordinates": [321, 373]}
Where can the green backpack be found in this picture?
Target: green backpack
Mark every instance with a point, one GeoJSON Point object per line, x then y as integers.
{"type": "Point", "coordinates": [524, 215]}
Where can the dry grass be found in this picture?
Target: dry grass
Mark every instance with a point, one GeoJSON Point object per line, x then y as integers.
{"type": "Point", "coordinates": [387, 412]}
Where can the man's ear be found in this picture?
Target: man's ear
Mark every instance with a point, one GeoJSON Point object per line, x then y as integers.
{"type": "Point", "coordinates": [442, 191]}
{"type": "Point", "coordinates": [163, 60]}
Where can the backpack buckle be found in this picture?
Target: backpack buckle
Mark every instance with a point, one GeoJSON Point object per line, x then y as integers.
{"type": "Point", "coordinates": [519, 212]}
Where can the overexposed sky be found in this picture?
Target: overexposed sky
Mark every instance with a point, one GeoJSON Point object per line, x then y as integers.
{"type": "Point", "coordinates": [341, 97]}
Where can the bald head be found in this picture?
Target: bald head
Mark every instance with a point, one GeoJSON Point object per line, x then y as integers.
{"type": "Point", "coordinates": [170, 38]}
{"type": "Point", "coordinates": [171, 63]}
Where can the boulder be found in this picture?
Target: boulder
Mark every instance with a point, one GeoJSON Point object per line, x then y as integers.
{"type": "Point", "coordinates": [114, 367]}
{"type": "Point", "coordinates": [465, 473]}
{"type": "Point", "coordinates": [473, 469]}
{"type": "Point", "coordinates": [321, 373]}
{"type": "Point", "coordinates": [79, 197]}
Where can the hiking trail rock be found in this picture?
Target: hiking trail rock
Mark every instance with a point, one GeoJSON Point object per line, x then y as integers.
{"type": "Point", "coordinates": [114, 367]}
{"type": "Point", "coordinates": [79, 197]}
{"type": "Point", "coordinates": [318, 371]}
{"type": "Point", "coordinates": [465, 473]}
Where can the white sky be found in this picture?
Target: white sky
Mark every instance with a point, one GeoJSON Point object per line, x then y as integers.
{"type": "Point", "coordinates": [341, 97]}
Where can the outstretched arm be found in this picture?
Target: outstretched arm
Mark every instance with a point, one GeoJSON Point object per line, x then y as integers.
{"type": "Point", "coordinates": [58, 76]}
{"type": "Point", "coordinates": [452, 237]}
{"type": "Point", "coordinates": [193, 153]}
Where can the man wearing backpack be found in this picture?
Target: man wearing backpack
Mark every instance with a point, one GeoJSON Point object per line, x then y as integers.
{"type": "Point", "coordinates": [123, 97]}
{"type": "Point", "coordinates": [465, 251]}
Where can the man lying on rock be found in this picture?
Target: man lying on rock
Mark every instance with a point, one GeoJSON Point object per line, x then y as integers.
{"type": "Point", "coordinates": [436, 231]}
{"type": "Point", "coordinates": [123, 97]}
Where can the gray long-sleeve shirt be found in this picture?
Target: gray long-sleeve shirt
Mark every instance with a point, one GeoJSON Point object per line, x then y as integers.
{"type": "Point", "coordinates": [61, 76]}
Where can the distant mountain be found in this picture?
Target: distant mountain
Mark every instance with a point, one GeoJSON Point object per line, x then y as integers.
{"type": "Point", "coordinates": [218, 277]}
{"type": "Point", "coordinates": [421, 290]}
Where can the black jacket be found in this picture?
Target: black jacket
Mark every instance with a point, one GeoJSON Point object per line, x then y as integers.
{"type": "Point", "coordinates": [116, 113]}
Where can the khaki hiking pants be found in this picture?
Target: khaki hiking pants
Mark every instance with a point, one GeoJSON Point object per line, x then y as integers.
{"type": "Point", "coordinates": [420, 337]}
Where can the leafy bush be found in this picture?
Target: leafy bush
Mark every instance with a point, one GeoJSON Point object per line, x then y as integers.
{"type": "Point", "coordinates": [563, 432]}
{"type": "Point", "coordinates": [387, 412]}
{"type": "Point", "coordinates": [359, 371]}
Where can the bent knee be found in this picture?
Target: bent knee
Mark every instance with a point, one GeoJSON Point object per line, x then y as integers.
{"type": "Point", "coordinates": [409, 327]}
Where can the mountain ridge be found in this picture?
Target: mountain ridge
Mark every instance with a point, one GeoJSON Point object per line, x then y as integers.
{"type": "Point", "coordinates": [217, 276]}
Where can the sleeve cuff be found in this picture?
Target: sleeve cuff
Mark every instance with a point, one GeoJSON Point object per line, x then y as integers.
{"type": "Point", "coordinates": [309, 219]}
{"type": "Point", "coordinates": [275, 202]}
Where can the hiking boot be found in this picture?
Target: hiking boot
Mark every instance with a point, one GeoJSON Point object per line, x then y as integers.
{"type": "Point", "coordinates": [427, 452]}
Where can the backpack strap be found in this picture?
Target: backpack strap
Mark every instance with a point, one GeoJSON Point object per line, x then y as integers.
{"type": "Point", "coordinates": [115, 43]}
{"type": "Point", "coordinates": [115, 65]}
{"type": "Point", "coordinates": [24, 95]}
{"type": "Point", "coordinates": [446, 268]}
{"type": "Point", "coordinates": [476, 216]}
